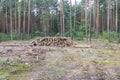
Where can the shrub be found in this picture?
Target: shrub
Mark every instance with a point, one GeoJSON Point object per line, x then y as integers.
{"type": "Point", "coordinates": [113, 35]}
{"type": "Point", "coordinates": [3, 37]}
{"type": "Point", "coordinates": [36, 34]}
{"type": "Point", "coordinates": [15, 35]}
{"type": "Point", "coordinates": [58, 34]}
{"type": "Point", "coordinates": [81, 33]}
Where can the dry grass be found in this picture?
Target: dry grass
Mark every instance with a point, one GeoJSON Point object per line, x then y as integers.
{"type": "Point", "coordinates": [100, 62]}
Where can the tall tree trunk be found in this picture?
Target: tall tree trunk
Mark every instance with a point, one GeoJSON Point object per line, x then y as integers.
{"type": "Point", "coordinates": [62, 18]}
{"type": "Point", "coordinates": [6, 20]}
{"type": "Point", "coordinates": [75, 16]}
{"type": "Point", "coordinates": [90, 24]}
{"type": "Point", "coordinates": [94, 16]}
{"type": "Point", "coordinates": [51, 23]}
{"type": "Point", "coordinates": [70, 19]}
{"type": "Point", "coordinates": [24, 15]}
{"type": "Point", "coordinates": [102, 20]}
{"type": "Point", "coordinates": [11, 20]}
{"type": "Point", "coordinates": [108, 19]}
{"type": "Point", "coordinates": [110, 14]}
{"type": "Point", "coordinates": [19, 19]}
{"type": "Point", "coordinates": [116, 21]}
{"type": "Point", "coordinates": [86, 17]}
{"type": "Point", "coordinates": [15, 16]}
{"type": "Point", "coordinates": [113, 19]}
{"type": "Point", "coordinates": [58, 21]}
{"type": "Point", "coordinates": [29, 18]}
{"type": "Point", "coordinates": [61, 24]}
{"type": "Point", "coordinates": [97, 19]}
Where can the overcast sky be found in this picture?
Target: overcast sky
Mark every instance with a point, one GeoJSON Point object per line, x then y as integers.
{"type": "Point", "coordinates": [73, 1]}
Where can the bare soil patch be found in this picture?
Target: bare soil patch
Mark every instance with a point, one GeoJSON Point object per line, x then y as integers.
{"type": "Point", "coordinates": [21, 61]}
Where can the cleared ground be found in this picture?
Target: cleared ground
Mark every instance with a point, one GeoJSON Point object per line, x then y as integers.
{"type": "Point", "coordinates": [20, 61]}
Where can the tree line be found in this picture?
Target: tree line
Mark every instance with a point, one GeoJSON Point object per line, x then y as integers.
{"type": "Point", "coordinates": [25, 19]}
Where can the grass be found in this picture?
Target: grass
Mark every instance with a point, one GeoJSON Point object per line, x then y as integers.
{"type": "Point", "coordinates": [13, 68]}
{"type": "Point", "coordinates": [55, 73]}
{"type": "Point", "coordinates": [65, 63]}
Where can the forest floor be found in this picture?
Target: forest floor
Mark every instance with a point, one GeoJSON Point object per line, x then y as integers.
{"type": "Point", "coordinates": [20, 61]}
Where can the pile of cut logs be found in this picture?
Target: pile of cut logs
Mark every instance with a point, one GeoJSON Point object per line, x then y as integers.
{"type": "Point", "coordinates": [53, 41]}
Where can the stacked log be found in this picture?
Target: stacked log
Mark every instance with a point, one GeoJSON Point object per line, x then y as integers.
{"type": "Point", "coordinates": [53, 41]}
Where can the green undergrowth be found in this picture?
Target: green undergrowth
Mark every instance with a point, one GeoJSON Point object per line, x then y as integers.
{"type": "Point", "coordinates": [12, 67]}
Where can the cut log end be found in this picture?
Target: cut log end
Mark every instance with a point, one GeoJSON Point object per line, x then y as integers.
{"type": "Point", "coordinates": [34, 43]}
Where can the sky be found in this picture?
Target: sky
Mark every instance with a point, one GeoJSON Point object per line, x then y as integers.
{"type": "Point", "coordinates": [73, 1]}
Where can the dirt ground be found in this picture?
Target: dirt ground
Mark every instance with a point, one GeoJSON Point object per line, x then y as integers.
{"type": "Point", "coordinates": [20, 61]}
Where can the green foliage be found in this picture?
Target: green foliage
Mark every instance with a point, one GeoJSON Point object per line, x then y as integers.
{"type": "Point", "coordinates": [58, 34]}
{"type": "Point", "coordinates": [3, 37]}
{"type": "Point", "coordinates": [77, 34]}
{"type": "Point", "coordinates": [15, 35]}
{"type": "Point", "coordinates": [80, 33]}
{"type": "Point", "coordinates": [37, 33]}
{"type": "Point", "coordinates": [24, 36]}
{"type": "Point", "coordinates": [113, 35]}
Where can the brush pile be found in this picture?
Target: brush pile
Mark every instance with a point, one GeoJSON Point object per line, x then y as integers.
{"type": "Point", "coordinates": [53, 41]}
